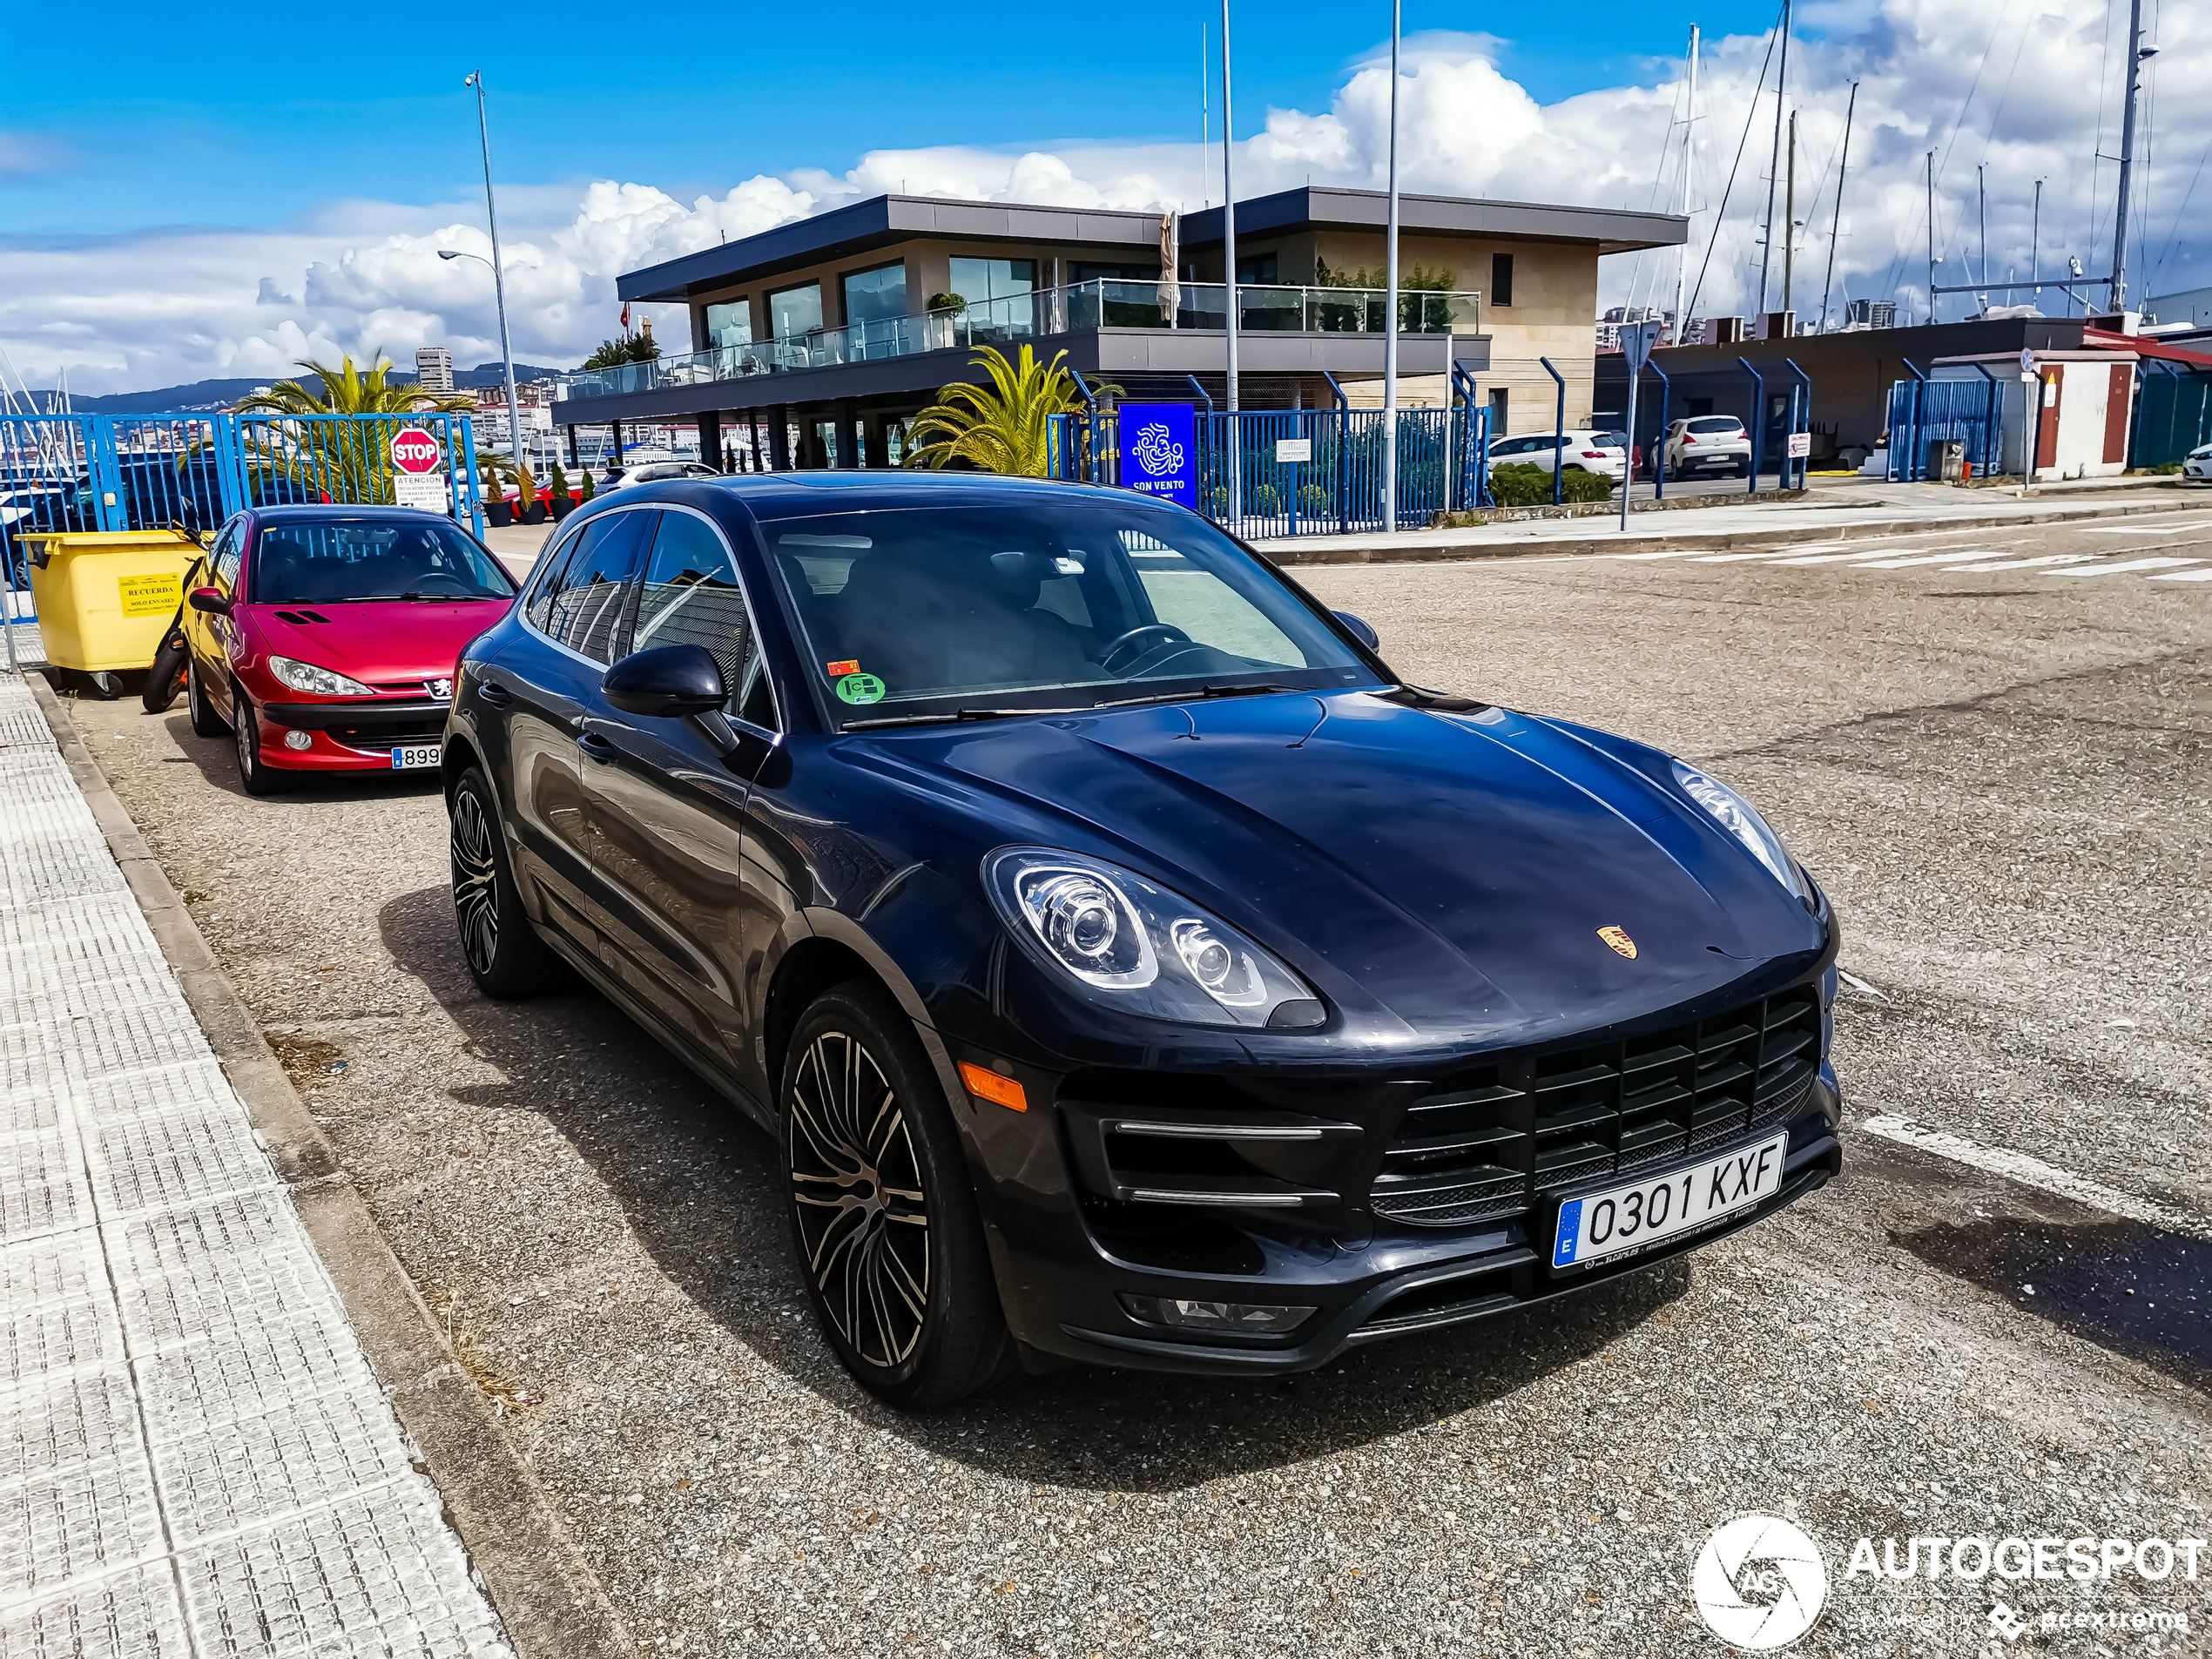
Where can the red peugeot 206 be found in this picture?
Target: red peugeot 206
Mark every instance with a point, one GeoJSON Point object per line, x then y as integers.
{"type": "Point", "coordinates": [325, 639]}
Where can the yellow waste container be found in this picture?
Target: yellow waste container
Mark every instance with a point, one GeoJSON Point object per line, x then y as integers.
{"type": "Point", "coordinates": [105, 596]}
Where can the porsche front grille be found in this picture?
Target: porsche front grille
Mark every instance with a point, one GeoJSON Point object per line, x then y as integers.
{"type": "Point", "coordinates": [1489, 1143]}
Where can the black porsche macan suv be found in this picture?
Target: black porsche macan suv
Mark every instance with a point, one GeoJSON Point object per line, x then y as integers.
{"type": "Point", "coordinates": [1129, 968]}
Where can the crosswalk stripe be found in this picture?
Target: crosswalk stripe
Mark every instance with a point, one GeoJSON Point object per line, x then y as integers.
{"type": "Point", "coordinates": [1821, 558]}
{"type": "Point", "coordinates": [2021, 564]}
{"type": "Point", "coordinates": [2128, 564]}
{"type": "Point", "coordinates": [1731, 558]}
{"type": "Point", "coordinates": [1668, 553]}
{"type": "Point", "coordinates": [2184, 575]}
{"type": "Point", "coordinates": [2145, 529]}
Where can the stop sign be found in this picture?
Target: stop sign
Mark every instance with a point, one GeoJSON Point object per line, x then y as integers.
{"type": "Point", "coordinates": [414, 450]}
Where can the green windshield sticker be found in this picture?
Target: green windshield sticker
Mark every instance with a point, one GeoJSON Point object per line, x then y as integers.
{"type": "Point", "coordinates": [860, 688]}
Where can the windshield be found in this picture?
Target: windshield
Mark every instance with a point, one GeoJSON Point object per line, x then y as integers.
{"type": "Point", "coordinates": [1718, 424]}
{"type": "Point", "coordinates": [939, 610]}
{"type": "Point", "coordinates": [332, 562]}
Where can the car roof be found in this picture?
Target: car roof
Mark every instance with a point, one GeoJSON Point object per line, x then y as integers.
{"type": "Point", "coordinates": [313, 512]}
{"type": "Point", "coordinates": [792, 494]}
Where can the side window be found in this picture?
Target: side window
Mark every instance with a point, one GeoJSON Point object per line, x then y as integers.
{"type": "Point", "coordinates": [539, 606]}
{"type": "Point", "coordinates": [586, 612]}
{"type": "Point", "coordinates": [692, 595]}
{"type": "Point", "coordinates": [224, 564]}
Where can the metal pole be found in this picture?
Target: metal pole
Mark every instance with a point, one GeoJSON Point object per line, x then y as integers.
{"type": "Point", "coordinates": [1688, 156]}
{"type": "Point", "coordinates": [1931, 259]}
{"type": "Point", "coordinates": [1835, 226]}
{"type": "Point", "coordinates": [1790, 214]}
{"type": "Point", "coordinates": [2035, 243]}
{"type": "Point", "coordinates": [1390, 303]}
{"type": "Point", "coordinates": [499, 280]}
{"type": "Point", "coordinates": [1981, 198]}
{"type": "Point", "coordinates": [1774, 167]}
{"type": "Point", "coordinates": [1628, 468]}
{"type": "Point", "coordinates": [1229, 256]}
{"type": "Point", "coordinates": [2118, 292]}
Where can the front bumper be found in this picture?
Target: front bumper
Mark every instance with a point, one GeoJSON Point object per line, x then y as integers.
{"type": "Point", "coordinates": [352, 735]}
{"type": "Point", "coordinates": [1389, 1198]}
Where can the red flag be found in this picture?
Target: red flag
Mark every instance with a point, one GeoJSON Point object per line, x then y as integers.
{"type": "Point", "coordinates": [625, 317]}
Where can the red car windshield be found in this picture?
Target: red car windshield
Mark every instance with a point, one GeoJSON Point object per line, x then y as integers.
{"type": "Point", "coordinates": [341, 561]}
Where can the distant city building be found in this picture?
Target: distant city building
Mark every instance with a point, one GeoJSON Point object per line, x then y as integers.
{"type": "Point", "coordinates": [1871, 314]}
{"type": "Point", "coordinates": [1608, 326]}
{"type": "Point", "coordinates": [434, 369]}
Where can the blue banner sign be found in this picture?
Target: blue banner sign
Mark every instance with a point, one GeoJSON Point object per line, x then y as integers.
{"type": "Point", "coordinates": [1160, 451]}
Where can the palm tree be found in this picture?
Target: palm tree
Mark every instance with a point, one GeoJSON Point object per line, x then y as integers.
{"type": "Point", "coordinates": [342, 461]}
{"type": "Point", "coordinates": [1004, 427]}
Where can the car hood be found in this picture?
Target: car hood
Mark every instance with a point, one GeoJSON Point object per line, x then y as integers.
{"type": "Point", "coordinates": [392, 645]}
{"type": "Point", "coordinates": [1453, 871]}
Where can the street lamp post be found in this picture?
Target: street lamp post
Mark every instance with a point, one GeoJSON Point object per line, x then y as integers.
{"type": "Point", "coordinates": [1234, 433]}
{"type": "Point", "coordinates": [498, 278]}
{"type": "Point", "coordinates": [1390, 303]}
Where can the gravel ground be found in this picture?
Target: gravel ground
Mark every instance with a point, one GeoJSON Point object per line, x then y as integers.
{"type": "Point", "coordinates": [2001, 778]}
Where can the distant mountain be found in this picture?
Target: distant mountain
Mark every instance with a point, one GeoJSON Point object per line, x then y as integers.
{"type": "Point", "coordinates": [220, 394]}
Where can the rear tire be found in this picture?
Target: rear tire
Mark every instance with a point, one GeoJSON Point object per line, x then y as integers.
{"type": "Point", "coordinates": [206, 722]}
{"type": "Point", "coordinates": [505, 956]}
{"type": "Point", "coordinates": [883, 1214]}
{"type": "Point", "coordinates": [254, 773]}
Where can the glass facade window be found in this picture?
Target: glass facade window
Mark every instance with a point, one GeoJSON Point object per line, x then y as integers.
{"type": "Point", "coordinates": [795, 311]}
{"type": "Point", "coordinates": [877, 296]}
{"type": "Point", "coordinates": [730, 324]}
{"type": "Point", "coordinates": [978, 280]}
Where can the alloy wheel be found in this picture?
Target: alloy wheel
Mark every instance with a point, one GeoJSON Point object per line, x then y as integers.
{"type": "Point", "coordinates": [476, 881]}
{"type": "Point", "coordinates": [856, 1183]}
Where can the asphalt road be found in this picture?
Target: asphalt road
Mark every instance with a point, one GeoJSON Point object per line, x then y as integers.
{"type": "Point", "coordinates": [2003, 778]}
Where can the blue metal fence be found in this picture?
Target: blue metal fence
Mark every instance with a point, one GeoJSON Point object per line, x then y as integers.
{"type": "Point", "coordinates": [2173, 414]}
{"type": "Point", "coordinates": [1922, 412]}
{"type": "Point", "coordinates": [190, 472]}
{"type": "Point", "coordinates": [1336, 490]}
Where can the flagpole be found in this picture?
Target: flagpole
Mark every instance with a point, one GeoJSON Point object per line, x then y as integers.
{"type": "Point", "coordinates": [1390, 304]}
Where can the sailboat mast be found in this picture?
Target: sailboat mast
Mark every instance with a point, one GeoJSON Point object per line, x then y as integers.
{"type": "Point", "coordinates": [1835, 226]}
{"type": "Point", "coordinates": [2118, 297]}
{"type": "Point", "coordinates": [1688, 156]}
{"type": "Point", "coordinates": [1774, 165]}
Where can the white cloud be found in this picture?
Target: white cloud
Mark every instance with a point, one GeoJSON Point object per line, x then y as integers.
{"type": "Point", "coordinates": [150, 308]}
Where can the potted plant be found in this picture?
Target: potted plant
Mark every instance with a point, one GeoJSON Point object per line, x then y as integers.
{"type": "Point", "coordinates": [563, 504]}
{"type": "Point", "coordinates": [589, 489]}
{"type": "Point", "coordinates": [531, 503]}
{"type": "Point", "coordinates": [499, 513]}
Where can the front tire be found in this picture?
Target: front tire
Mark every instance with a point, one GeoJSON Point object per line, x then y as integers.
{"type": "Point", "coordinates": [166, 677]}
{"type": "Point", "coordinates": [889, 1237]}
{"type": "Point", "coordinates": [205, 723]}
{"type": "Point", "coordinates": [505, 956]}
{"type": "Point", "coordinates": [253, 772]}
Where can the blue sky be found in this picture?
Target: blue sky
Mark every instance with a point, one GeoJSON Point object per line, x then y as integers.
{"type": "Point", "coordinates": [194, 194]}
{"type": "Point", "coordinates": [217, 116]}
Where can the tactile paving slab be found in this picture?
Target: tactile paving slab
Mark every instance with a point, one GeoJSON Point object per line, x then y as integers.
{"type": "Point", "coordinates": [196, 1458]}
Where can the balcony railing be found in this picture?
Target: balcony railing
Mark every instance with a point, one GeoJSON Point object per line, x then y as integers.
{"type": "Point", "coordinates": [1014, 318]}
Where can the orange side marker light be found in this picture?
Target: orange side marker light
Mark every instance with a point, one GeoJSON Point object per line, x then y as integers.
{"type": "Point", "coordinates": [995, 1087]}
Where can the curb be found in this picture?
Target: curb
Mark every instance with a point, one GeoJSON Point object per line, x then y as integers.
{"type": "Point", "coordinates": [551, 1604]}
{"type": "Point", "coordinates": [1432, 552]}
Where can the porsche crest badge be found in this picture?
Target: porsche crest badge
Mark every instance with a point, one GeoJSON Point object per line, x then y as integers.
{"type": "Point", "coordinates": [1620, 940]}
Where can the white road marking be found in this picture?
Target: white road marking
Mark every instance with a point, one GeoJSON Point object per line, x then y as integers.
{"type": "Point", "coordinates": [1730, 558]}
{"type": "Point", "coordinates": [2128, 564]}
{"type": "Point", "coordinates": [1823, 558]}
{"type": "Point", "coordinates": [2144, 530]}
{"type": "Point", "coordinates": [1669, 553]}
{"type": "Point", "coordinates": [2185, 576]}
{"type": "Point", "coordinates": [1948, 554]}
{"type": "Point", "coordinates": [2022, 565]}
{"type": "Point", "coordinates": [2034, 1172]}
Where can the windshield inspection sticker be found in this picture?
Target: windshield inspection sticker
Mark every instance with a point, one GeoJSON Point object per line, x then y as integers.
{"type": "Point", "coordinates": [860, 688]}
{"type": "Point", "coordinates": [837, 671]}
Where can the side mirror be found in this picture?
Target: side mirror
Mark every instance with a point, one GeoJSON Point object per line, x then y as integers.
{"type": "Point", "coordinates": [666, 683]}
{"type": "Point", "coordinates": [1360, 631]}
{"type": "Point", "coordinates": [209, 600]}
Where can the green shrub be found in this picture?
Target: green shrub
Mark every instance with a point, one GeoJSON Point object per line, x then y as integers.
{"type": "Point", "coordinates": [589, 489]}
{"type": "Point", "coordinates": [1313, 502]}
{"type": "Point", "coordinates": [560, 482]}
{"type": "Point", "coordinates": [1518, 483]}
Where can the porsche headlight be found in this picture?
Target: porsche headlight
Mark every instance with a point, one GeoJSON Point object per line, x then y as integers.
{"type": "Point", "coordinates": [1740, 819]}
{"type": "Point", "coordinates": [316, 682]}
{"type": "Point", "coordinates": [1140, 946]}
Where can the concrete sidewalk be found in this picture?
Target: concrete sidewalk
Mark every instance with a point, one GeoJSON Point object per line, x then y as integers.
{"type": "Point", "coordinates": [1823, 516]}
{"type": "Point", "coordinates": [196, 1458]}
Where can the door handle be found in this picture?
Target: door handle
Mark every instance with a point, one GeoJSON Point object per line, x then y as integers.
{"type": "Point", "coordinates": [597, 747]}
{"type": "Point", "coordinates": [494, 693]}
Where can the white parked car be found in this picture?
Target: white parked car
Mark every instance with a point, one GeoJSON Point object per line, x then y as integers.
{"type": "Point", "coordinates": [652, 472]}
{"type": "Point", "coordinates": [1603, 453]}
{"type": "Point", "coordinates": [2197, 464]}
{"type": "Point", "coordinates": [1708, 444]}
